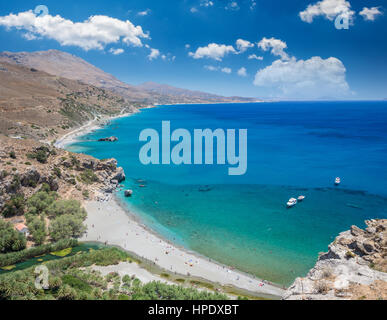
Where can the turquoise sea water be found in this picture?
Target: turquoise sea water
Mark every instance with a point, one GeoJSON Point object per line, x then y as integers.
{"type": "Point", "coordinates": [294, 148]}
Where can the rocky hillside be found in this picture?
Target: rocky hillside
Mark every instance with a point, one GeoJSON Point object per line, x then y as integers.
{"type": "Point", "coordinates": [68, 66]}
{"type": "Point", "coordinates": [27, 164]}
{"type": "Point", "coordinates": [354, 268]}
{"type": "Point", "coordinates": [35, 104]}
{"type": "Point", "coordinates": [186, 96]}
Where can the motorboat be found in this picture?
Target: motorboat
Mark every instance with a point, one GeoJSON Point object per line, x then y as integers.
{"type": "Point", "coordinates": [301, 198]}
{"type": "Point", "coordinates": [337, 181]}
{"type": "Point", "coordinates": [292, 202]}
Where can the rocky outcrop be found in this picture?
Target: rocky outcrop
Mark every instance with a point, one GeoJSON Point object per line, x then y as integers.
{"type": "Point", "coordinates": [74, 176]}
{"type": "Point", "coordinates": [109, 139]}
{"type": "Point", "coordinates": [354, 267]}
{"type": "Point", "coordinates": [119, 175]}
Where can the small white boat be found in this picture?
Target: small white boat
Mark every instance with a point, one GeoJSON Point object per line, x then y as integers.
{"type": "Point", "coordinates": [337, 181]}
{"type": "Point", "coordinates": [301, 198]}
{"type": "Point", "coordinates": [292, 202]}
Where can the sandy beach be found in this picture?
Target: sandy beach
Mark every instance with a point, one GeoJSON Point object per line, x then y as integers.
{"type": "Point", "coordinates": [109, 223]}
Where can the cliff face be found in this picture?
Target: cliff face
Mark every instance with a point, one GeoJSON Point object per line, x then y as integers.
{"type": "Point", "coordinates": [26, 164]}
{"type": "Point", "coordinates": [354, 268]}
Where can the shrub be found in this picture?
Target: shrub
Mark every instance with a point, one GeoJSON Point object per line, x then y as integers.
{"type": "Point", "coordinates": [10, 239]}
{"type": "Point", "coordinates": [321, 287]}
{"type": "Point", "coordinates": [14, 206]}
{"type": "Point", "coordinates": [15, 184]}
{"type": "Point", "coordinates": [57, 172]}
{"type": "Point", "coordinates": [66, 207]}
{"type": "Point", "coordinates": [3, 174]}
{"type": "Point", "coordinates": [89, 177]}
{"type": "Point", "coordinates": [12, 155]}
{"type": "Point", "coordinates": [66, 226]}
{"type": "Point", "coordinates": [40, 202]}
{"type": "Point", "coordinates": [76, 283]}
{"type": "Point", "coordinates": [37, 228]}
{"type": "Point", "coordinates": [41, 154]}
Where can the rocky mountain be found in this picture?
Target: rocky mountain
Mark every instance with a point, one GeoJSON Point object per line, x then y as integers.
{"type": "Point", "coordinates": [187, 95]}
{"type": "Point", "coordinates": [68, 66]}
{"type": "Point", "coordinates": [39, 105]}
{"type": "Point", "coordinates": [354, 268]}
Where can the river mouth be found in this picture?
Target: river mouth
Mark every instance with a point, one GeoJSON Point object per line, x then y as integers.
{"type": "Point", "coordinates": [82, 247]}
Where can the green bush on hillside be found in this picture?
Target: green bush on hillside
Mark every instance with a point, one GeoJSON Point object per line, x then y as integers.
{"type": "Point", "coordinates": [10, 239]}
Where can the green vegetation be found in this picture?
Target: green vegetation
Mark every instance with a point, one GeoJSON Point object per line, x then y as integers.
{"type": "Point", "coordinates": [66, 207]}
{"type": "Point", "coordinates": [66, 226]}
{"type": "Point", "coordinates": [10, 239]}
{"type": "Point", "coordinates": [85, 194]}
{"type": "Point", "coordinates": [12, 155]}
{"type": "Point", "coordinates": [3, 174]}
{"type": "Point", "coordinates": [41, 201]}
{"type": "Point", "coordinates": [62, 253]}
{"type": "Point", "coordinates": [66, 221]}
{"type": "Point", "coordinates": [68, 282]}
{"type": "Point", "coordinates": [41, 154]}
{"type": "Point", "coordinates": [13, 207]}
{"type": "Point", "coordinates": [37, 229]}
{"type": "Point", "coordinates": [17, 257]}
{"type": "Point", "coordinates": [88, 177]}
{"type": "Point", "coordinates": [15, 184]}
{"type": "Point", "coordinates": [57, 172]}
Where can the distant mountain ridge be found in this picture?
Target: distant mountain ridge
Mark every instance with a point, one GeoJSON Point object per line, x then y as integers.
{"type": "Point", "coordinates": [68, 66]}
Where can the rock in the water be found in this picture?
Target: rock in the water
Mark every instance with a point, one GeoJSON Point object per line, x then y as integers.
{"type": "Point", "coordinates": [109, 139]}
{"type": "Point", "coordinates": [128, 193]}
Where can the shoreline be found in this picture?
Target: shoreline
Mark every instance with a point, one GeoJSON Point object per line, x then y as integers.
{"type": "Point", "coordinates": [95, 124]}
{"type": "Point", "coordinates": [214, 272]}
{"type": "Point", "coordinates": [109, 223]}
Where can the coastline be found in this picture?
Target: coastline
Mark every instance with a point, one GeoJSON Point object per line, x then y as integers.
{"type": "Point", "coordinates": [109, 222]}
{"type": "Point", "coordinates": [91, 125]}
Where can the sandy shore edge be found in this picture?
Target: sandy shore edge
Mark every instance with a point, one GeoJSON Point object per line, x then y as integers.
{"type": "Point", "coordinates": [109, 223]}
{"type": "Point", "coordinates": [95, 124]}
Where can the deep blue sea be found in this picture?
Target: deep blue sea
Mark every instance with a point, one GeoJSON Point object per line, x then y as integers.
{"type": "Point", "coordinates": [294, 148]}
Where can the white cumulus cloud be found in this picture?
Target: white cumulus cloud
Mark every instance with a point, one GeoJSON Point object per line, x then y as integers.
{"type": "Point", "coordinates": [212, 51]}
{"type": "Point", "coordinates": [277, 47]}
{"type": "Point", "coordinates": [211, 68]}
{"type": "Point", "coordinates": [370, 14]}
{"type": "Point", "coordinates": [254, 57]}
{"type": "Point", "coordinates": [206, 3]}
{"type": "Point", "coordinates": [144, 13]}
{"type": "Point", "coordinates": [154, 54]}
{"type": "Point", "coordinates": [93, 33]}
{"type": "Point", "coordinates": [243, 45]}
{"type": "Point", "coordinates": [116, 52]}
{"type": "Point", "coordinates": [329, 9]}
{"type": "Point", "coordinates": [233, 6]}
{"type": "Point", "coordinates": [226, 70]}
{"type": "Point", "coordinates": [242, 72]}
{"type": "Point", "coordinates": [312, 78]}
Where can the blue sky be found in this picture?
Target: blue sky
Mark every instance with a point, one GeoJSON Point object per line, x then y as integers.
{"type": "Point", "coordinates": [294, 47]}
